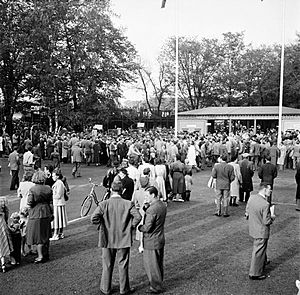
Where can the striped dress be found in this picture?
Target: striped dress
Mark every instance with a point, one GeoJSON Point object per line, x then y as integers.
{"type": "Point", "coordinates": [5, 240]}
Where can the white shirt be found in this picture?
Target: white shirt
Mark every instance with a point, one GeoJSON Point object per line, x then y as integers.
{"type": "Point", "coordinates": [28, 158]}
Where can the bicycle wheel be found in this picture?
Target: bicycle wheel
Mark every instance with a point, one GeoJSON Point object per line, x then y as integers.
{"type": "Point", "coordinates": [86, 206]}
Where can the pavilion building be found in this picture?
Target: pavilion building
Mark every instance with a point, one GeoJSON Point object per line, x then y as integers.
{"type": "Point", "coordinates": [231, 118]}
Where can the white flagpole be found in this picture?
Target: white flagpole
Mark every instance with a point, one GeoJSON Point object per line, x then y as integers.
{"type": "Point", "coordinates": [176, 67]}
{"type": "Point", "coordinates": [279, 137]}
{"type": "Point", "coordinates": [163, 4]}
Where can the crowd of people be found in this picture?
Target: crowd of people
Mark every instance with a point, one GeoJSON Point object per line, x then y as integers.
{"type": "Point", "coordinates": [143, 168]}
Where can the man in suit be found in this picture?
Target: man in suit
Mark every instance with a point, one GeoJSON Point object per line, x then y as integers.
{"type": "Point", "coordinates": [76, 153]}
{"type": "Point", "coordinates": [260, 219]}
{"type": "Point", "coordinates": [116, 218]}
{"type": "Point", "coordinates": [223, 174]}
{"type": "Point", "coordinates": [247, 171]}
{"type": "Point", "coordinates": [267, 173]}
{"type": "Point", "coordinates": [14, 165]}
{"type": "Point", "coordinates": [154, 239]}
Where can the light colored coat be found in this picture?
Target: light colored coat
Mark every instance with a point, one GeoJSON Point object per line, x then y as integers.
{"type": "Point", "coordinates": [258, 210]}
{"type": "Point", "coordinates": [235, 185]}
{"type": "Point", "coordinates": [116, 218]}
{"type": "Point", "coordinates": [58, 189]}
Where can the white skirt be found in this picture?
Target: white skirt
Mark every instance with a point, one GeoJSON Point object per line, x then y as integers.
{"type": "Point", "coordinates": [60, 217]}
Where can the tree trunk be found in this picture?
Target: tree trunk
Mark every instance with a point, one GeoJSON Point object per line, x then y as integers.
{"type": "Point", "coordinates": [8, 94]}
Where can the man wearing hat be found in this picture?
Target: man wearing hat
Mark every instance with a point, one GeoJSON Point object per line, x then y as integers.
{"type": "Point", "coordinates": [247, 171]}
{"type": "Point", "coordinates": [117, 218]}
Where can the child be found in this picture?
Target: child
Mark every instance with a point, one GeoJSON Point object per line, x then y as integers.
{"type": "Point", "coordinates": [23, 223]}
{"type": "Point", "coordinates": [188, 184]}
{"type": "Point", "coordinates": [15, 230]}
{"type": "Point", "coordinates": [5, 240]}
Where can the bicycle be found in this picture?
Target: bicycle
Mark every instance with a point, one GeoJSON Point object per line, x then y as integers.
{"type": "Point", "coordinates": [88, 200]}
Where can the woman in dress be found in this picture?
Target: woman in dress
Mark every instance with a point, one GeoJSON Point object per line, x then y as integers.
{"type": "Point", "coordinates": [59, 206]}
{"type": "Point", "coordinates": [191, 155]}
{"type": "Point", "coordinates": [236, 184]}
{"type": "Point", "coordinates": [161, 174]}
{"type": "Point", "coordinates": [297, 177]}
{"type": "Point", "coordinates": [178, 182]}
{"type": "Point", "coordinates": [138, 199]}
{"type": "Point", "coordinates": [39, 217]}
{"type": "Point", "coordinates": [23, 189]}
{"type": "Point", "coordinates": [281, 159]}
{"type": "Point", "coordinates": [6, 246]}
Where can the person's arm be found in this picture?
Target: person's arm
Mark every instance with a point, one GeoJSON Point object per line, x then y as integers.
{"type": "Point", "coordinates": [97, 216]}
{"type": "Point", "coordinates": [231, 175]}
{"type": "Point", "coordinates": [266, 217]}
{"type": "Point", "coordinates": [260, 172]}
{"type": "Point", "coordinates": [148, 223]}
{"type": "Point", "coordinates": [30, 199]}
{"type": "Point", "coordinates": [214, 173]}
{"type": "Point", "coordinates": [247, 211]}
{"type": "Point", "coordinates": [134, 212]}
{"type": "Point", "coordinates": [251, 169]}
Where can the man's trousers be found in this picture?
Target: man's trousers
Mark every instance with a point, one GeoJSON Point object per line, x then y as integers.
{"type": "Point", "coordinates": [154, 267]}
{"type": "Point", "coordinates": [108, 260]}
{"type": "Point", "coordinates": [259, 257]}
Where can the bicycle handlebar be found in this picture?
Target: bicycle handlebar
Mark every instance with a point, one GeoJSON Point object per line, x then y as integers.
{"type": "Point", "coordinates": [94, 184]}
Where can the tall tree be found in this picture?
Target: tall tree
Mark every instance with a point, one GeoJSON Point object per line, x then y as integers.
{"type": "Point", "coordinates": [230, 70]}
{"type": "Point", "coordinates": [64, 50]}
{"type": "Point", "coordinates": [157, 90]}
{"type": "Point", "coordinates": [20, 40]}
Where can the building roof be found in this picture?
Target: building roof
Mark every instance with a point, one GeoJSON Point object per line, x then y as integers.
{"type": "Point", "coordinates": [241, 111]}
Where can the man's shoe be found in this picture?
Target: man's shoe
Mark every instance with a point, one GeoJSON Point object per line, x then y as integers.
{"type": "Point", "coordinates": [132, 290]}
{"type": "Point", "coordinates": [218, 214]}
{"type": "Point", "coordinates": [226, 215]}
{"type": "Point", "coordinates": [258, 278]}
{"type": "Point", "coordinates": [153, 291]}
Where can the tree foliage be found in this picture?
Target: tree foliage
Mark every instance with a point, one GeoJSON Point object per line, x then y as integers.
{"type": "Point", "coordinates": [64, 51]}
{"type": "Point", "coordinates": [229, 72]}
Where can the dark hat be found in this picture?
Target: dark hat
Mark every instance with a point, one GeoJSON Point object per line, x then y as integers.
{"type": "Point", "coordinates": [146, 171]}
{"type": "Point", "coordinates": [144, 181]}
{"type": "Point", "coordinates": [123, 170]}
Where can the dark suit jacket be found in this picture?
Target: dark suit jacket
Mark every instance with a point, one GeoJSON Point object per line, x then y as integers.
{"type": "Point", "coordinates": [116, 217]}
{"type": "Point", "coordinates": [258, 210]}
{"type": "Point", "coordinates": [297, 177]}
{"type": "Point", "coordinates": [247, 172]}
{"type": "Point", "coordinates": [153, 227]}
{"type": "Point", "coordinates": [267, 173]}
{"type": "Point", "coordinates": [128, 187]}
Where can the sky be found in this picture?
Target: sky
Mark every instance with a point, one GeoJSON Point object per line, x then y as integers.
{"type": "Point", "coordinates": [148, 26]}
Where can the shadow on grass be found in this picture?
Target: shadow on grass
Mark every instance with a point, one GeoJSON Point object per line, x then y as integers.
{"type": "Point", "coordinates": [203, 265]}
